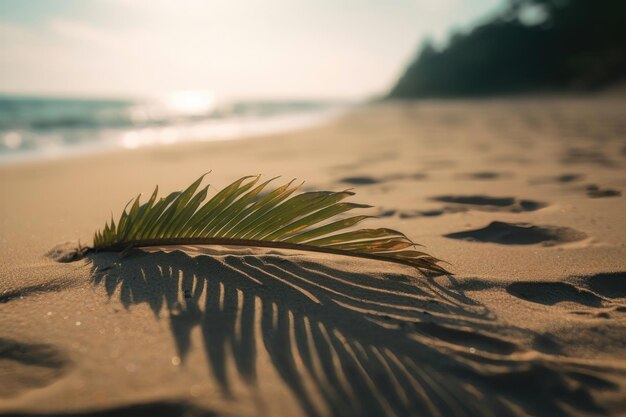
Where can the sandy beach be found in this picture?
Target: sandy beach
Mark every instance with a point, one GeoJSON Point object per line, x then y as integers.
{"type": "Point", "coordinates": [523, 197]}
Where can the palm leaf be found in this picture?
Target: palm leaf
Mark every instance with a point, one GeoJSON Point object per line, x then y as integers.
{"type": "Point", "coordinates": [240, 215]}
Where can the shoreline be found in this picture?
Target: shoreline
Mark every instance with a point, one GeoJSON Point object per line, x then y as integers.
{"type": "Point", "coordinates": [216, 130]}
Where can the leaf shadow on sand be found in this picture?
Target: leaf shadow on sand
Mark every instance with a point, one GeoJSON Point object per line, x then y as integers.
{"type": "Point", "coordinates": [349, 343]}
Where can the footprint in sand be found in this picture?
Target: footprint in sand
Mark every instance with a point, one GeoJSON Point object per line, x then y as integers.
{"type": "Point", "coordinates": [551, 293]}
{"type": "Point", "coordinates": [595, 295]}
{"type": "Point", "coordinates": [482, 202]}
{"type": "Point", "coordinates": [520, 234]}
{"type": "Point", "coordinates": [567, 178]}
{"type": "Point", "coordinates": [463, 203]}
{"type": "Point", "coordinates": [609, 285]}
{"type": "Point", "coordinates": [576, 156]}
{"type": "Point", "coordinates": [594, 191]}
{"type": "Point", "coordinates": [367, 180]}
{"type": "Point", "coordinates": [386, 213]}
{"type": "Point", "coordinates": [428, 213]}
{"type": "Point", "coordinates": [25, 366]}
{"type": "Point", "coordinates": [483, 175]}
{"type": "Point", "coordinates": [360, 180]}
{"type": "Point", "coordinates": [559, 179]}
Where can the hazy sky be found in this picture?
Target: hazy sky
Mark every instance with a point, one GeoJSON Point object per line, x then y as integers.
{"type": "Point", "coordinates": [240, 48]}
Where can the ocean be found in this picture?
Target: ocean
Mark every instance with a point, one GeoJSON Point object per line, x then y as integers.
{"type": "Point", "coordinates": [45, 127]}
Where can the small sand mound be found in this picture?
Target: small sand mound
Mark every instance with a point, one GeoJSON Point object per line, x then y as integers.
{"type": "Point", "coordinates": [66, 252]}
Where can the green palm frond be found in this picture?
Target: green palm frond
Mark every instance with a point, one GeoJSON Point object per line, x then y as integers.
{"type": "Point", "coordinates": [242, 215]}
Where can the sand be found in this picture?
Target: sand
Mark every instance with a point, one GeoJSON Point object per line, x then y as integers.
{"type": "Point", "coordinates": [524, 198]}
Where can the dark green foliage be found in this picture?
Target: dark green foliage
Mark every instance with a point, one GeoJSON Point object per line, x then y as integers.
{"type": "Point", "coordinates": [579, 46]}
{"type": "Point", "coordinates": [241, 215]}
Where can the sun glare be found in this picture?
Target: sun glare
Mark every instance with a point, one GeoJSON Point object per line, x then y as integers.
{"type": "Point", "coordinates": [191, 102]}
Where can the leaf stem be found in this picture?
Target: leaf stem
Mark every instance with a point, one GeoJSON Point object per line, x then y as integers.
{"type": "Point", "coordinates": [416, 263]}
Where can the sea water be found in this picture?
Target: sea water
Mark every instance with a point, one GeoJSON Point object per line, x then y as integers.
{"type": "Point", "coordinates": [49, 127]}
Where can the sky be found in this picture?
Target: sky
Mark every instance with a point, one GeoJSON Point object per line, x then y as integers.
{"type": "Point", "coordinates": [323, 49]}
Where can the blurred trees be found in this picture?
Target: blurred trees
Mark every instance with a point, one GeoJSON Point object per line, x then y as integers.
{"type": "Point", "coordinates": [533, 45]}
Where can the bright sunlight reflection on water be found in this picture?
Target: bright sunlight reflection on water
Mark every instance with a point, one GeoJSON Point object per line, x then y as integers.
{"type": "Point", "coordinates": [50, 126]}
{"type": "Point", "coordinates": [191, 102]}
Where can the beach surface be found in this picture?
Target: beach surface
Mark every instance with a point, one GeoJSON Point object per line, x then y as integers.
{"type": "Point", "coordinates": [523, 197]}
